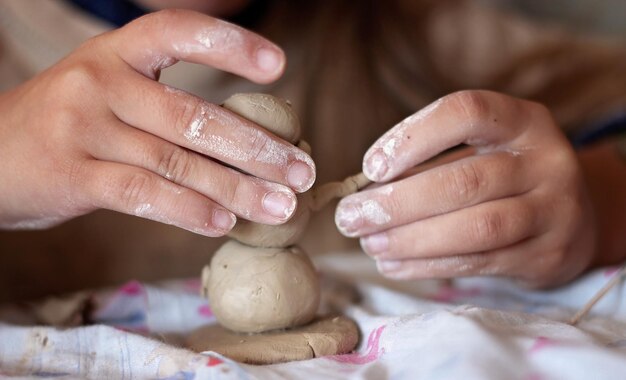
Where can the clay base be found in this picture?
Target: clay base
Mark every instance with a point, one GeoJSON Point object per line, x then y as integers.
{"type": "Point", "coordinates": [323, 336]}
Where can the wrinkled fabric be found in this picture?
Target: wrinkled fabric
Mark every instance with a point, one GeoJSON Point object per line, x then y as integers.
{"type": "Point", "coordinates": [472, 329]}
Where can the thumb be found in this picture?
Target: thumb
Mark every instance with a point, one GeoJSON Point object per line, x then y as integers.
{"type": "Point", "coordinates": [158, 40]}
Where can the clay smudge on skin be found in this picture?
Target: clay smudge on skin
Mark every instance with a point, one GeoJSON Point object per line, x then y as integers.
{"type": "Point", "coordinates": [390, 143]}
{"type": "Point", "coordinates": [447, 264]}
{"type": "Point", "coordinates": [142, 209]}
{"type": "Point", "coordinates": [171, 187]}
{"type": "Point", "coordinates": [347, 218]}
{"type": "Point", "coordinates": [160, 62]}
{"type": "Point", "coordinates": [205, 39]}
{"type": "Point", "coordinates": [374, 213]}
{"type": "Point", "coordinates": [461, 265]}
{"type": "Point", "coordinates": [221, 37]}
{"type": "Point", "coordinates": [148, 211]}
{"type": "Point", "coordinates": [272, 152]}
{"type": "Point", "coordinates": [196, 128]}
{"type": "Point", "coordinates": [35, 224]}
{"type": "Point", "coordinates": [173, 90]}
{"type": "Point", "coordinates": [289, 211]}
{"type": "Point", "coordinates": [386, 190]}
{"type": "Point", "coordinates": [392, 139]}
{"type": "Point", "coordinates": [350, 218]}
{"type": "Point", "coordinates": [390, 147]}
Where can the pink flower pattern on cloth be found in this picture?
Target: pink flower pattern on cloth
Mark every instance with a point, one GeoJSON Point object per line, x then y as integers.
{"type": "Point", "coordinates": [472, 329]}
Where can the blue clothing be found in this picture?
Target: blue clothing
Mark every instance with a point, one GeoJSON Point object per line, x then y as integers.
{"type": "Point", "coordinates": [121, 12]}
{"type": "Point", "coordinates": [614, 126]}
{"type": "Point", "coordinates": [116, 12]}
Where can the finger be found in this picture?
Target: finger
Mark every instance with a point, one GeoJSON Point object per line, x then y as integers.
{"type": "Point", "coordinates": [443, 189]}
{"type": "Point", "coordinates": [484, 227]}
{"type": "Point", "coordinates": [527, 261]}
{"type": "Point", "coordinates": [442, 159]}
{"type": "Point", "coordinates": [188, 121]}
{"type": "Point", "coordinates": [159, 39]}
{"type": "Point", "coordinates": [138, 192]}
{"type": "Point", "coordinates": [506, 261]}
{"type": "Point", "coordinates": [477, 118]}
{"type": "Point", "coordinates": [246, 196]}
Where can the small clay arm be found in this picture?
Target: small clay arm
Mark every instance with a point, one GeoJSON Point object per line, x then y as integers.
{"type": "Point", "coordinates": [325, 193]}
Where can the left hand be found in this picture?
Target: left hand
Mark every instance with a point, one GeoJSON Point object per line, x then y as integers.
{"type": "Point", "coordinates": [513, 204]}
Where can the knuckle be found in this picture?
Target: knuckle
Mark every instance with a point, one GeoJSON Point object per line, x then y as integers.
{"type": "Point", "coordinates": [134, 188]}
{"type": "Point", "coordinates": [78, 179]}
{"type": "Point", "coordinates": [258, 146]}
{"type": "Point", "coordinates": [488, 227]}
{"type": "Point", "coordinates": [464, 183]}
{"type": "Point", "coordinates": [78, 78]}
{"type": "Point", "coordinates": [175, 164]}
{"type": "Point", "coordinates": [188, 117]}
{"type": "Point", "coordinates": [230, 189]}
{"type": "Point", "coordinates": [473, 104]}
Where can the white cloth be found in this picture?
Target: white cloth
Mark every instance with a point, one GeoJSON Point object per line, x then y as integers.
{"type": "Point", "coordinates": [475, 329]}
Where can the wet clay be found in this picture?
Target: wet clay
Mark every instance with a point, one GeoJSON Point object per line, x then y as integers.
{"type": "Point", "coordinates": [323, 194]}
{"type": "Point", "coordinates": [254, 289]}
{"type": "Point", "coordinates": [262, 281]}
{"type": "Point", "coordinates": [322, 337]}
{"type": "Point", "coordinates": [283, 235]}
{"type": "Point", "coordinates": [270, 112]}
{"type": "Point", "coordinates": [276, 116]}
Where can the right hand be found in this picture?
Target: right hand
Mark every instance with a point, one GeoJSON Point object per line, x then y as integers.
{"type": "Point", "coordinates": [97, 130]}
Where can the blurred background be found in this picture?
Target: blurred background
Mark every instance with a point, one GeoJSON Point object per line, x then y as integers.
{"type": "Point", "coordinates": [29, 270]}
{"type": "Point", "coordinates": [602, 17]}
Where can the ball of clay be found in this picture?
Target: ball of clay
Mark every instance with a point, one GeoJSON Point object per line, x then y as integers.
{"type": "Point", "coordinates": [270, 112]}
{"type": "Point", "coordinates": [254, 289]}
{"type": "Point", "coordinates": [282, 235]}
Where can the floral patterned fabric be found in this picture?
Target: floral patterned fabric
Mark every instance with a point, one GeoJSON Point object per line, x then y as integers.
{"type": "Point", "coordinates": [471, 329]}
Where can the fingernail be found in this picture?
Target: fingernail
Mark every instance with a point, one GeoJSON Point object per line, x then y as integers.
{"type": "Point", "coordinates": [388, 265]}
{"type": "Point", "coordinates": [279, 204]}
{"type": "Point", "coordinates": [300, 176]}
{"type": "Point", "coordinates": [268, 59]}
{"type": "Point", "coordinates": [348, 219]}
{"type": "Point", "coordinates": [375, 166]}
{"type": "Point", "coordinates": [223, 219]}
{"type": "Point", "coordinates": [375, 244]}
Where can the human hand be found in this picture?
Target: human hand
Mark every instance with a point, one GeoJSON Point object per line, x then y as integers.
{"type": "Point", "coordinates": [97, 130]}
{"type": "Point", "coordinates": [513, 204]}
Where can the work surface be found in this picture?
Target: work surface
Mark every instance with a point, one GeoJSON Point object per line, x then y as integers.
{"type": "Point", "coordinates": [474, 329]}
